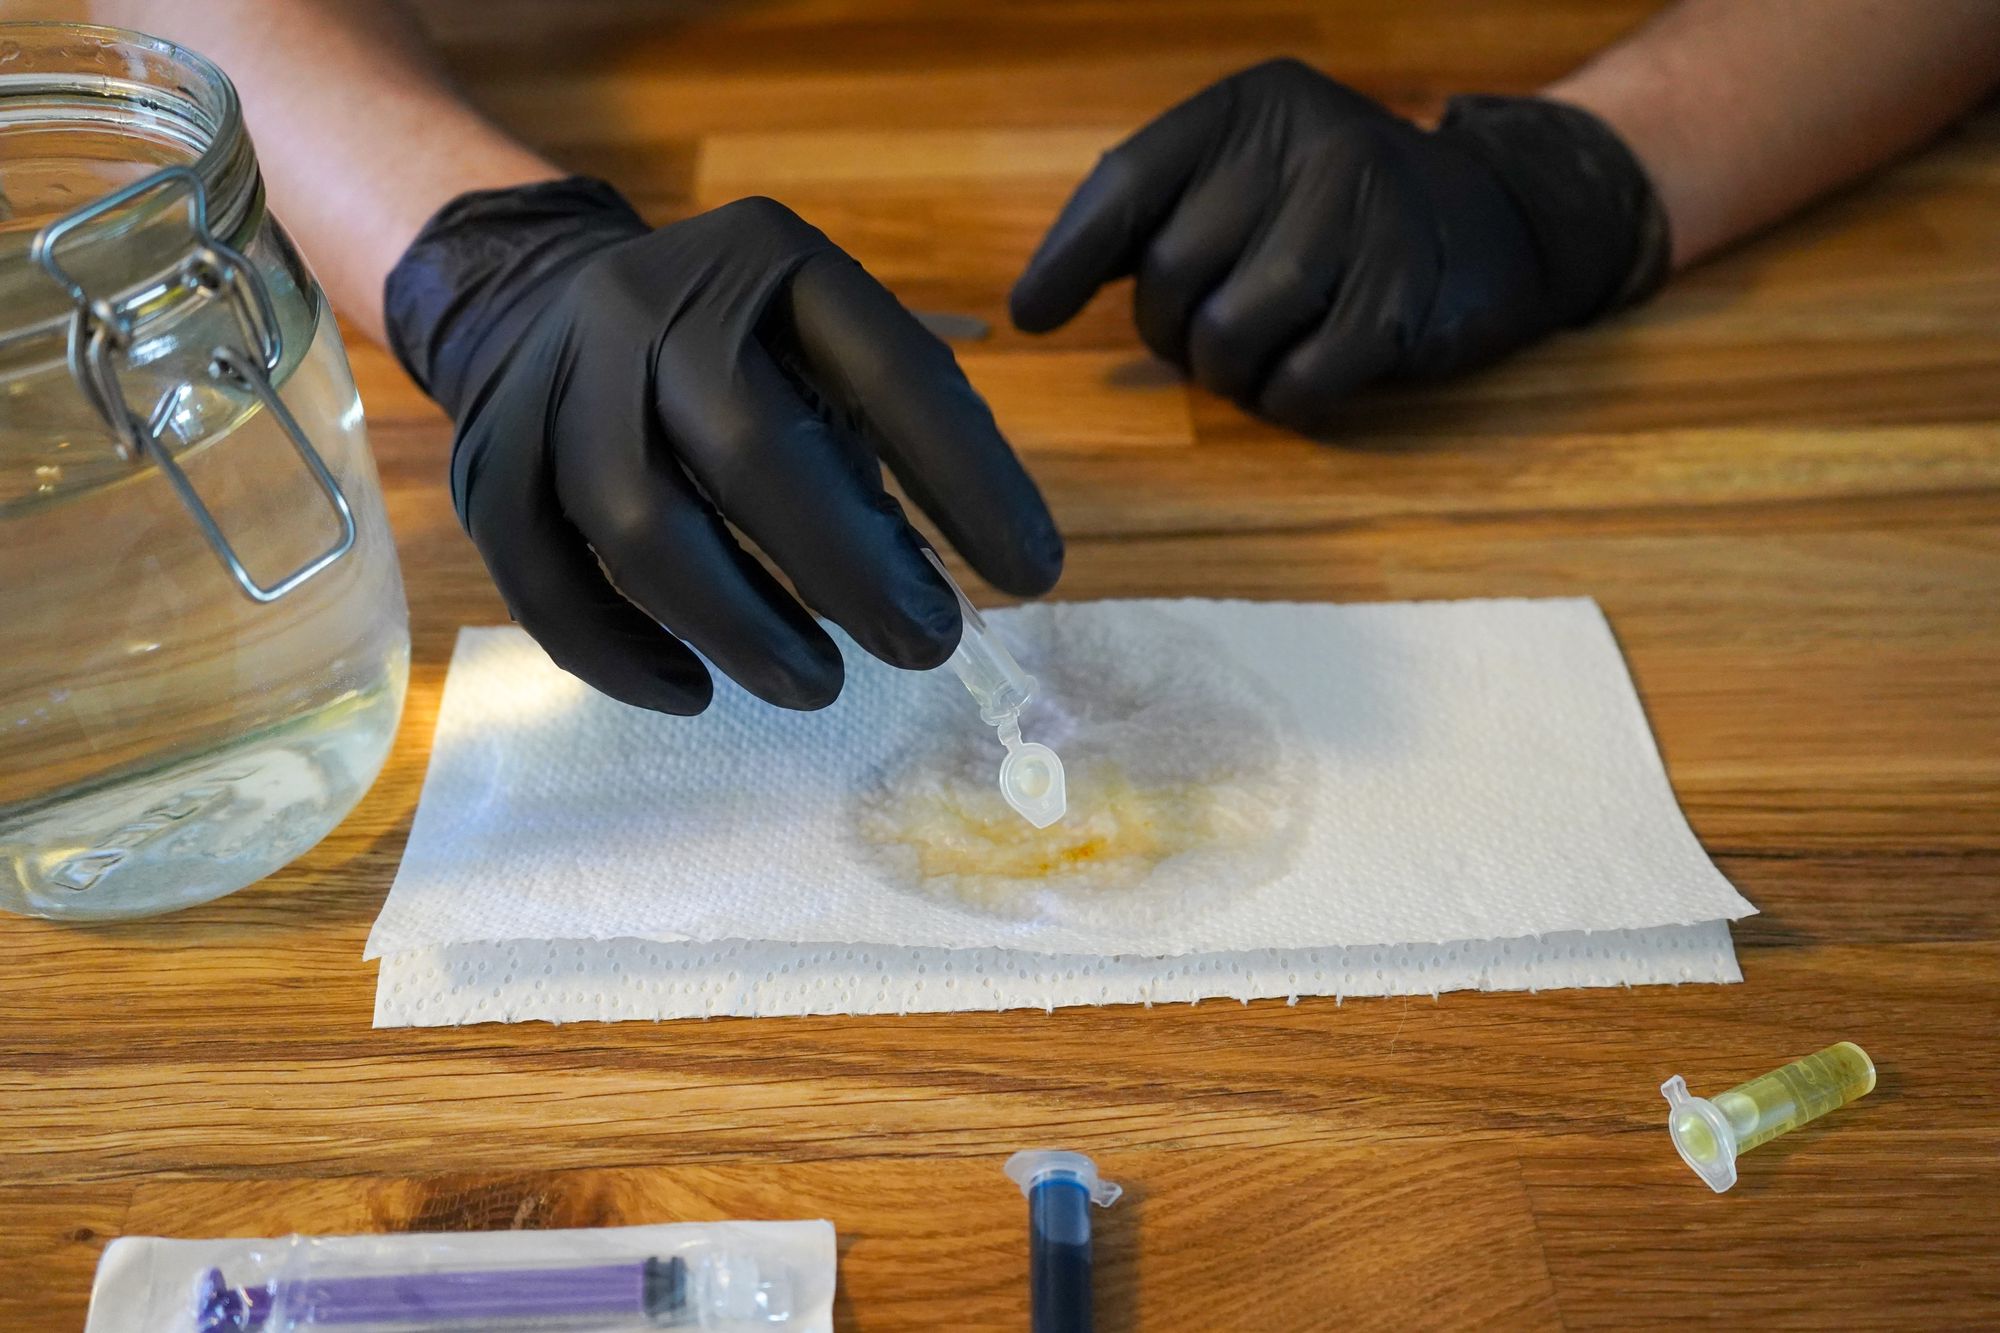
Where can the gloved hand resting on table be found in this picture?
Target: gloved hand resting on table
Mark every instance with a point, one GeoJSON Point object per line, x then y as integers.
{"type": "Point", "coordinates": [1292, 239]}
{"type": "Point", "coordinates": [620, 392]}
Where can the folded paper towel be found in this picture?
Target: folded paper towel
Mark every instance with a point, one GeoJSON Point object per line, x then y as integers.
{"type": "Point", "coordinates": [1425, 773]}
{"type": "Point", "coordinates": [568, 981]}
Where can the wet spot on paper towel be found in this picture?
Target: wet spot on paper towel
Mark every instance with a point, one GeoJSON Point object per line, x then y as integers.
{"type": "Point", "coordinates": [1185, 783]}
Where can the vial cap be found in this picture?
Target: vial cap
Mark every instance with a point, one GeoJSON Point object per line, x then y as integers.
{"type": "Point", "coordinates": [1036, 1166]}
{"type": "Point", "coordinates": [1031, 780]}
{"type": "Point", "coordinates": [1702, 1134]}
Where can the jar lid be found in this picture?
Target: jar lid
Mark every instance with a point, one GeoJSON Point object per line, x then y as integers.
{"type": "Point", "coordinates": [84, 112]}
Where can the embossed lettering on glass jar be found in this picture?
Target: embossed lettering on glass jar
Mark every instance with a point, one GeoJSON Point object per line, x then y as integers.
{"type": "Point", "coordinates": [206, 641]}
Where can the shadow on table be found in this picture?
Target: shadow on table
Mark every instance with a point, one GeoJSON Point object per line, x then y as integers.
{"type": "Point", "coordinates": [1115, 1253]}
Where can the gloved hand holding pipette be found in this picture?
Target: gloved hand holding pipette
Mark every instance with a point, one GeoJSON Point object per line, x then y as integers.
{"type": "Point", "coordinates": [626, 395]}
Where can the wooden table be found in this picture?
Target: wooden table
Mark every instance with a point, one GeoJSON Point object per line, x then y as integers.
{"type": "Point", "coordinates": [1781, 480]}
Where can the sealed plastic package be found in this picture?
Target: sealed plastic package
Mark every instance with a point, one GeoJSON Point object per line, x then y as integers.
{"type": "Point", "coordinates": [730, 1277]}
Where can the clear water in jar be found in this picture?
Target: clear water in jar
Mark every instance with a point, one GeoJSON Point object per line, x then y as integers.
{"type": "Point", "coordinates": [164, 740]}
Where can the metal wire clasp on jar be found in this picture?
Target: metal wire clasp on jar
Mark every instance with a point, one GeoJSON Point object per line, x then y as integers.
{"type": "Point", "coordinates": [207, 639]}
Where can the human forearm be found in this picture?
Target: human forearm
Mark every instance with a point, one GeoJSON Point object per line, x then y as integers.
{"type": "Point", "coordinates": [360, 135]}
{"type": "Point", "coordinates": [1742, 110]}
{"type": "Point", "coordinates": [629, 404]}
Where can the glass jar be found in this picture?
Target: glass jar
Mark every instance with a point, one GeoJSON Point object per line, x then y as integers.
{"type": "Point", "coordinates": [205, 640]}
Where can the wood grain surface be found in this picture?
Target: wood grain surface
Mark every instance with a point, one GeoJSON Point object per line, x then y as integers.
{"type": "Point", "coordinates": [1781, 479]}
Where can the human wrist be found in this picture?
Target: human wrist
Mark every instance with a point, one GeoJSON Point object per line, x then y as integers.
{"type": "Point", "coordinates": [471, 279]}
{"type": "Point", "coordinates": [1589, 203]}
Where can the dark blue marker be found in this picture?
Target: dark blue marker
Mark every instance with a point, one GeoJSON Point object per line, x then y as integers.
{"type": "Point", "coordinates": [1060, 1187]}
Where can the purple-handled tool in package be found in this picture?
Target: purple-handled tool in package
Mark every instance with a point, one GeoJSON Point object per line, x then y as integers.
{"type": "Point", "coordinates": [716, 1291]}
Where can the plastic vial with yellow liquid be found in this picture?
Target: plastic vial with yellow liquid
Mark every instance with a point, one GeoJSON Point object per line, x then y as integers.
{"type": "Point", "coordinates": [1712, 1133]}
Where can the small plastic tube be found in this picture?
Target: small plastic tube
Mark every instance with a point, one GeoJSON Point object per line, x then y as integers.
{"type": "Point", "coordinates": [1711, 1134]}
{"type": "Point", "coordinates": [1060, 1187]}
{"type": "Point", "coordinates": [1031, 776]}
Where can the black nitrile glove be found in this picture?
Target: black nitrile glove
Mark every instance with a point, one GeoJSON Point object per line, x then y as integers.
{"type": "Point", "coordinates": [1293, 239]}
{"type": "Point", "coordinates": [621, 392]}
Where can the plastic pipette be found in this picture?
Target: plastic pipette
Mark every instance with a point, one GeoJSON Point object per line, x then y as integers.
{"type": "Point", "coordinates": [713, 1291]}
{"type": "Point", "coordinates": [1060, 1187]}
{"type": "Point", "coordinates": [1711, 1134]}
{"type": "Point", "coordinates": [1031, 776]}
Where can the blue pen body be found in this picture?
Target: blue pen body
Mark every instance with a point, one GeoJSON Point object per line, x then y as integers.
{"type": "Point", "coordinates": [1060, 1187]}
{"type": "Point", "coordinates": [1059, 1256]}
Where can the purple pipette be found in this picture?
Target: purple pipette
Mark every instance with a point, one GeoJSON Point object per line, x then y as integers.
{"type": "Point", "coordinates": [654, 1290]}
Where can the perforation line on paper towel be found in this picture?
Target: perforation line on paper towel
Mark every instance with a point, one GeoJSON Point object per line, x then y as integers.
{"type": "Point", "coordinates": [609, 980]}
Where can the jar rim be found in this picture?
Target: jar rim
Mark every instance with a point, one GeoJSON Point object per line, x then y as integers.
{"type": "Point", "coordinates": [161, 80]}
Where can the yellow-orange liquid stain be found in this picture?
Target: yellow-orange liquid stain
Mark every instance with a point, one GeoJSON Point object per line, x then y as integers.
{"type": "Point", "coordinates": [1184, 786]}
{"type": "Point", "coordinates": [966, 842]}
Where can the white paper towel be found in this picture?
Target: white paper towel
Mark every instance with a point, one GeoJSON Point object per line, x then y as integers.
{"type": "Point", "coordinates": [565, 981]}
{"type": "Point", "coordinates": [1474, 771]}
